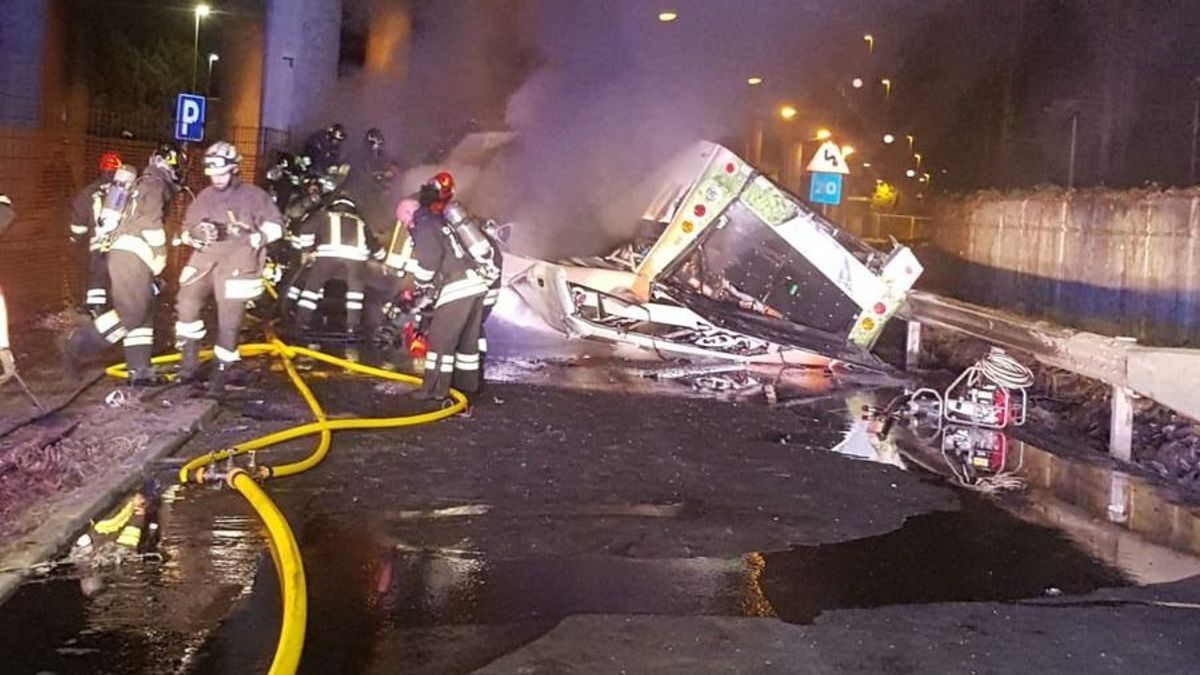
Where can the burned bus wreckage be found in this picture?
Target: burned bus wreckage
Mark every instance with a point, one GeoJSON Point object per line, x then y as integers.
{"type": "Point", "coordinates": [743, 272]}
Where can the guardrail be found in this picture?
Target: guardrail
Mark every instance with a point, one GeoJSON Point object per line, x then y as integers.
{"type": "Point", "coordinates": [1167, 376]}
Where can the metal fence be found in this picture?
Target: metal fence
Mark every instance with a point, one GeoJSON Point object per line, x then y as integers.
{"type": "Point", "coordinates": [42, 170]}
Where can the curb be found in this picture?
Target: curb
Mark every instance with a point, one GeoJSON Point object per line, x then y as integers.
{"type": "Point", "coordinates": [80, 507]}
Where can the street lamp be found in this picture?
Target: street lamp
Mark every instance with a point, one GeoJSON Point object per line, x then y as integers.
{"type": "Point", "coordinates": [911, 141]}
{"type": "Point", "coordinates": [788, 112]}
{"type": "Point", "coordinates": [754, 81]}
{"type": "Point", "coordinates": [887, 87]}
{"type": "Point", "coordinates": [847, 150]}
{"type": "Point", "coordinates": [911, 173]}
{"type": "Point", "coordinates": [870, 40]}
{"type": "Point", "coordinates": [202, 10]}
{"type": "Point", "coordinates": [857, 83]}
{"type": "Point", "coordinates": [888, 139]}
{"type": "Point", "coordinates": [213, 57]}
{"type": "Point", "coordinates": [667, 17]}
{"type": "Point", "coordinates": [917, 156]}
{"type": "Point", "coordinates": [824, 134]}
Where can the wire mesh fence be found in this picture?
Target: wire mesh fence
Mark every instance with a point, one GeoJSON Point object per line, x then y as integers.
{"type": "Point", "coordinates": [42, 170]}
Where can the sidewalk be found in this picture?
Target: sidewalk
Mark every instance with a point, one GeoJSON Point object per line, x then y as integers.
{"type": "Point", "coordinates": [59, 472]}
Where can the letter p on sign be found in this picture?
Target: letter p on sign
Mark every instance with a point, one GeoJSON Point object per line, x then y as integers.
{"type": "Point", "coordinates": [189, 118]}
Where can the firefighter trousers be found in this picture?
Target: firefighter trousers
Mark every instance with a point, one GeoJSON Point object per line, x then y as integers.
{"type": "Point", "coordinates": [323, 271]}
{"type": "Point", "coordinates": [453, 356]}
{"type": "Point", "coordinates": [98, 281]}
{"type": "Point", "coordinates": [131, 320]}
{"type": "Point", "coordinates": [231, 276]}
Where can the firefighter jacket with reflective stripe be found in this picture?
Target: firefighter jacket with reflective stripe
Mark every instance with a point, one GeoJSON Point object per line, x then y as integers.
{"type": "Point", "coordinates": [6, 213]}
{"type": "Point", "coordinates": [142, 232]}
{"type": "Point", "coordinates": [439, 260]}
{"type": "Point", "coordinates": [242, 209]}
{"type": "Point", "coordinates": [83, 213]}
{"type": "Point", "coordinates": [335, 234]}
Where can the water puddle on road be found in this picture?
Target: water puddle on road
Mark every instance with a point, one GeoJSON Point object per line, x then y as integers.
{"type": "Point", "coordinates": [418, 590]}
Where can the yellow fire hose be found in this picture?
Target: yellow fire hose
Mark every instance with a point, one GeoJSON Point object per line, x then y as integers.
{"type": "Point", "coordinates": [284, 550]}
{"type": "Point", "coordinates": [289, 568]}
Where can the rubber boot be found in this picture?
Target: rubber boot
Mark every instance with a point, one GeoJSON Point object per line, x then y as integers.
{"type": "Point", "coordinates": [146, 377]}
{"type": "Point", "coordinates": [80, 346]}
{"type": "Point", "coordinates": [217, 379]}
{"type": "Point", "coordinates": [189, 364]}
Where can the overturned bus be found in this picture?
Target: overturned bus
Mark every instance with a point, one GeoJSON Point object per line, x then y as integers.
{"type": "Point", "coordinates": [743, 271]}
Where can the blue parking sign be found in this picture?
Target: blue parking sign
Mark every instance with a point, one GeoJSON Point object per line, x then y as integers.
{"type": "Point", "coordinates": [189, 118]}
{"type": "Point", "coordinates": [825, 188]}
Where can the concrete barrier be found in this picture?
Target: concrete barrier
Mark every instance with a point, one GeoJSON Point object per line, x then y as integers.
{"type": "Point", "coordinates": [1115, 262]}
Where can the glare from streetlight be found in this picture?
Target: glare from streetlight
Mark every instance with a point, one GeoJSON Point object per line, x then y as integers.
{"type": "Point", "coordinates": [847, 150]}
{"type": "Point", "coordinates": [911, 173]}
{"type": "Point", "coordinates": [824, 134]}
{"type": "Point", "coordinates": [889, 139]}
{"type": "Point", "coordinates": [788, 112]}
{"type": "Point", "coordinates": [754, 81]}
{"type": "Point", "coordinates": [203, 10]}
{"type": "Point", "coordinates": [857, 83]}
{"type": "Point", "coordinates": [866, 165]}
{"type": "Point", "coordinates": [214, 57]}
{"type": "Point", "coordinates": [667, 17]}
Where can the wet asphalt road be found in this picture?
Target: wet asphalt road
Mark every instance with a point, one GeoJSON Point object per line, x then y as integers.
{"type": "Point", "coordinates": [585, 530]}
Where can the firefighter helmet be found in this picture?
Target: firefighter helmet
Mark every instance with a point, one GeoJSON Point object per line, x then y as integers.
{"type": "Point", "coordinates": [221, 158]}
{"type": "Point", "coordinates": [343, 203]}
{"type": "Point", "coordinates": [110, 161]}
{"type": "Point", "coordinates": [443, 182]}
{"type": "Point", "coordinates": [374, 139]}
{"type": "Point", "coordinates": [172, 158]}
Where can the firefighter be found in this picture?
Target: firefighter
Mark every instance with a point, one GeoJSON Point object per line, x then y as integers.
{"type": "Point", "coordinates": [388, 279]}
{"type": "Point", "coordinates": [443, 266]}
{"type": "Point", "coordinates": [341, 244]}
{"type": "Point", "coordinates": [8, 367]}
{"type": "Point", "coordinates": [84, 209]}
{"type": "Point", "coordinates": [324, 148]}
{"type": "Point", "coordinates": [228, 225]}
{"type": "Point", "coordinates": [492, 296]}
{"type": "Point", "coordinates": [137, 256]}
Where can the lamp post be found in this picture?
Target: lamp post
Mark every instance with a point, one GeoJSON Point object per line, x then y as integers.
{"type": "Point", "coordinates": [202, 10]}
{"type": "Point", "coordinates": [870, 40]}
{"type": "Point", "coordinates": [887, 87]}
{"type": "Point", "coordinates": [212, 58]}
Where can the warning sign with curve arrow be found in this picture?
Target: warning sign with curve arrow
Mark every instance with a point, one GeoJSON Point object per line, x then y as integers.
{"type": "Point", "coordinates": [828, 160]}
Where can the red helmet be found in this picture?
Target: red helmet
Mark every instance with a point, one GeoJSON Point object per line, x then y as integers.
{"type": "Point", "coordinates": [444, 183]}
{"type": "Point", "coordinates": [110, 161]}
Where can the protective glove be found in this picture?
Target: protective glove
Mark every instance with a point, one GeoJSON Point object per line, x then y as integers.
{"type": "Point", "coordinates": [206, 234]}
{"type": "Point", "coordinates": [8, 365]}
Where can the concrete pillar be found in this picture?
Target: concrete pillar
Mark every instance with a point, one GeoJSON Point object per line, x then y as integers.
{"type": "Point", "coordinates": [1120, 433]}
{"type": "Point", "coordinates": [300, 62]}
{"type": "Point", "coordinates": [25, 36]}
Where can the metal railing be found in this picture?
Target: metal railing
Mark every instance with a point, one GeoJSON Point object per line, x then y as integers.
{"type": "Point", "coordinates": [1165, 375]}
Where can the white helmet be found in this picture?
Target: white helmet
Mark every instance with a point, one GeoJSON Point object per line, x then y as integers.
{"type": "Point", "coordinates": [221, 158]}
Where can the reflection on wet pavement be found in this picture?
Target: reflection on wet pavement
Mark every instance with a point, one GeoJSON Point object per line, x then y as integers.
{"type": "Point", "coordinates": [388, 592]}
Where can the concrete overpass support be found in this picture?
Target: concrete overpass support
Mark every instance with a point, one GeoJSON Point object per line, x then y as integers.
{"type": "Point", "coordinates": [300, 63]}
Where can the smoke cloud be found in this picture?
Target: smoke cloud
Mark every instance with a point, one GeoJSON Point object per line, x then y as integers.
{"type": "Point", "coordinates": [599, 94]}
